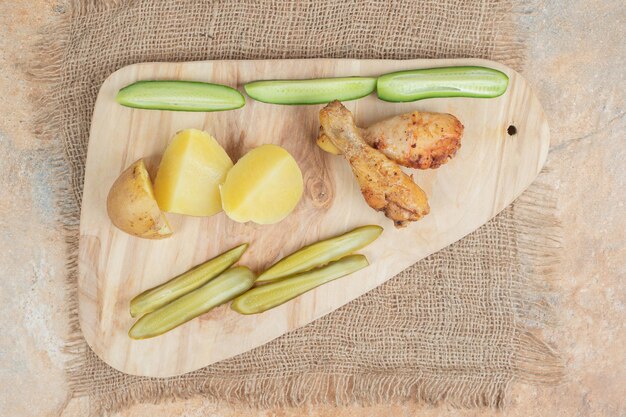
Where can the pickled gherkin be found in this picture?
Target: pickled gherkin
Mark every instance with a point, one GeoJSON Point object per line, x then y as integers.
{"type": "Point", "coordinates": [157, 297]}
{"type": "Point", "coordinates": [218, 291]}
{"type": "Point", "coordinates": [321, 253]}
{"type": "Point", "coordinates": [264, 297]}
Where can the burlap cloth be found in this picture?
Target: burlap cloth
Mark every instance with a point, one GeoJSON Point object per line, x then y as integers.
{"type": "Point", "coordinates": [457, 327]}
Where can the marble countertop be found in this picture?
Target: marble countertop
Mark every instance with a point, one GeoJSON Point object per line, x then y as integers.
{"type": "Point", "coordinates": [576, 61]}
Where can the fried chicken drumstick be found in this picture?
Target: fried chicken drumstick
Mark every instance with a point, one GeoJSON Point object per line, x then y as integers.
{"type": "Point", "coordinates": [383, 184]}
{"type": "Point", "coordinates": [419, 140]}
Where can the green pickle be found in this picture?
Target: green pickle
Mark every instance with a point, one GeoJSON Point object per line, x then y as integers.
{"type": "Point", "coordinates": [157, 297]}
{"type": "Point", "coordinates": [220, 290]}
{"type": "Point", "coordinates": [322, 252]}
{"type": "Point", "coordinates": [264, 297]}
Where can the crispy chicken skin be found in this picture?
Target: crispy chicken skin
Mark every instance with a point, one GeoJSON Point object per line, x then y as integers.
{"type": "Point", "coordinates": [383, 184]}
{"type": "Point", "coordinates": [419, 140]}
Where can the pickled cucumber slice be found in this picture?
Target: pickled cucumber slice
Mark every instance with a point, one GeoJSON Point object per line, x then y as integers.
{"type": "Point", "coordinates": [321, 253]}
{"type": "Point", "coordinates": [264, 297]}
{"type": "Point", "coordinates": [180, 96]}
{"type": "Point", "coordinates": [225, 287]}
{"type": "Point", "coordinates": [156, 297]}
{"type": "Point", "coordinates": [419, 84]}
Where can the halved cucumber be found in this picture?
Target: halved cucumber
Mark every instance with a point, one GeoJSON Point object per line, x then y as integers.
{"type": "Point", "coordinates": [230, 284]}
{"type": "Point", "coordinates": [441, 82]}
{"type": "Point", "coordinates": [157, 297]}
{"type": "Point", "coordinates": [264, 297]}
{"type": "Point", "coordinates": [180, 96]}
{"type": "Point", "coordinates": [314, 91]}
{"type": "Point", "coordinates": [321, 253]}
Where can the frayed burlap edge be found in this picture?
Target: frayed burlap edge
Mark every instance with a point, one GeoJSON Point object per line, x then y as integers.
{"type": "Point", "coordinates": [538, 245]}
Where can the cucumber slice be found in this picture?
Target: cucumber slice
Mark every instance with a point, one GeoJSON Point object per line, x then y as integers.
{"type": "Point", "coordinates": [180, 96]}
{"type": "Point", "coordinates": [230, 284]}
{"type": "Point", "coordinates": [315, 91]}
{"type": "Point", "coordinates": [321, 253]}
{"type": "Point", "coordinates": [157, 297]}
{"type": "Point", "coordinates": [264, 297]}
{"type": "Point", "coordinates": [441, 82]}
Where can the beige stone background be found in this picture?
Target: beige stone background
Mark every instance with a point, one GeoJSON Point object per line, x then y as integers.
{"type": "Point", "coordinates": [576, 63]}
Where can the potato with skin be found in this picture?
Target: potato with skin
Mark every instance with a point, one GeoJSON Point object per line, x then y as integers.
{"type": "Point", "coordinates": [131, 205]}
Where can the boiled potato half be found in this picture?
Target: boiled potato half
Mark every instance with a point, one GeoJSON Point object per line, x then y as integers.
{"type": "Point", "coordinates": [188, 179]}
{"type": "Point", "coordinates": [132, 207]}
{"type": "Point", "coordinates": [264, 186]}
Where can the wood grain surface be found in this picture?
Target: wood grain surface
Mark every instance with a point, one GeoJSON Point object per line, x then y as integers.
{"type": "Point", "coordinates": [491, 169]}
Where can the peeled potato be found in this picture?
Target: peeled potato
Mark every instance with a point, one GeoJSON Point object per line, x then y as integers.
{"type": "Point", "coordinates": [192, 168]}
{"type": "Point", "coordinates": [264, 186]}
{"type": "Point", "coordinates": [131, 205]}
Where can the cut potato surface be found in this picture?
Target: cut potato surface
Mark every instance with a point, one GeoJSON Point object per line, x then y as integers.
{"type": "Point", "coordinates": [131, 205]}
{"type": "Point", "coordinates": [192, 168]}
{"type": "Point", "coordinates": [264, 186]}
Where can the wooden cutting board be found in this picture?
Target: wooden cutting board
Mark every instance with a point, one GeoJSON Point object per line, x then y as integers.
{"type": "Point", "coordinates": [491, 169]}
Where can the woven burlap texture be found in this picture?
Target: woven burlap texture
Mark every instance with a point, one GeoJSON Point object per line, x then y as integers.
{"type": "Point", "coordinates": [456, 327]}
